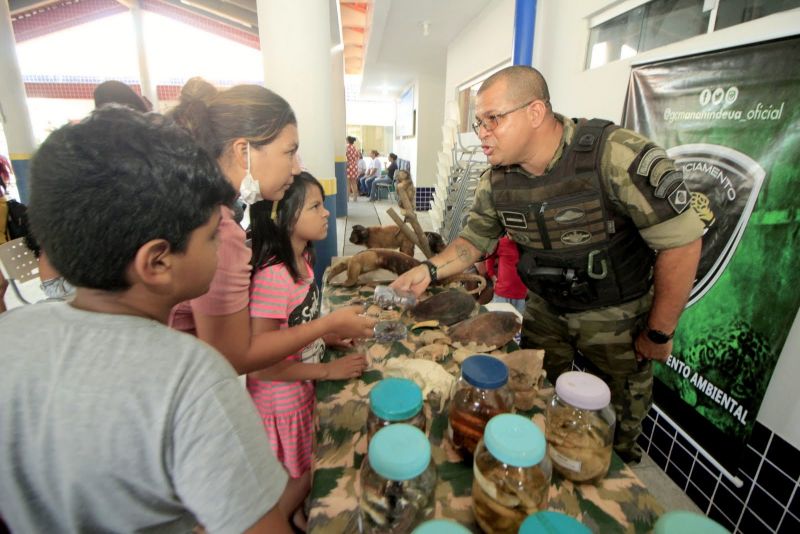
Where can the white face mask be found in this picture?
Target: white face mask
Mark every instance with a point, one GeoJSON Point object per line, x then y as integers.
{"type": "Point", "coordinates": [249, 190]}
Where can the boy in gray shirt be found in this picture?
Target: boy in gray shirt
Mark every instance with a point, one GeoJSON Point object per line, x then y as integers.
{"type": "Point", "coordinates": [110, 421]}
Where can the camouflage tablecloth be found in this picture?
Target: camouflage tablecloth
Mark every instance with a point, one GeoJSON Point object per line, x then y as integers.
{"type": "Point", "coordinates": [620, 503]}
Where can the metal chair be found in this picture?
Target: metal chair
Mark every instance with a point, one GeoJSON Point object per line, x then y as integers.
{"type": "Point", "coordinates": [19, 265]}
{"type": "Point", "coordinates": [390, 191]}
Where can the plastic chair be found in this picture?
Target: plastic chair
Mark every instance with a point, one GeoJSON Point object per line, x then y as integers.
{"type": "Point", "coordinates": [19, 265]}
{"type": "Point", "coordinates": [390, 191]}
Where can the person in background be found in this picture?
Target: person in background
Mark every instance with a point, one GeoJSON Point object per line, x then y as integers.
{"type": "Point", "coordinates": [373, 171]}
{"type": "Point", "coordinates": [363, 165]}
{"type": "Point", "coordinates": [285, 302]}
{"type": "Point", "coordinates": [114, 92]}
{"type": "Point", "coordinates": [352, 157]}
{"type": "Point", "coordinates": [388, 178]}
{"type": "Point", "coordinates": [178, 440]}
{"type": "Point", "coordinates": [609, 251]}
{"type": "Point", "coordinates": [251, 132]}
{"type": "Point", "coordinates": [501, 267]}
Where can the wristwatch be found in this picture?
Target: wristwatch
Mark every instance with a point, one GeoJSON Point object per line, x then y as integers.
{"type": "Point", "coordinates": [657, 336]}
{"type": "Point", "coordinates": [431, 270]}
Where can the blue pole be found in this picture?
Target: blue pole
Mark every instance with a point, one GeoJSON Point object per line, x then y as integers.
{"type": "Point", "coordinates": [524, 24]}
{"type": "Point", "coordinates": [341, 187]}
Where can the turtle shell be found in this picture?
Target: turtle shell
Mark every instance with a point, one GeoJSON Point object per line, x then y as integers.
{"type": "Point", "coordinates": [493, 329]}
{"type": "Point", "coordinates": [447, 307]}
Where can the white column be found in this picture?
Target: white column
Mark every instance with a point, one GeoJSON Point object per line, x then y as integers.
{"type": "Point", "coordinates": [148, 89]}
{"type": "Point", "coordinates": [339, 128]}
{"type": "Point", "coordinates": [14, 105]}
{"type": "Point", "coordinates": [296, 49]}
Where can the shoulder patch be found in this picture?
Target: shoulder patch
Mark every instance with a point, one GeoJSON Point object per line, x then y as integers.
{"type": "Point", "coordinates": [660, 169]}
{"type": "Point", "coordinates": [648, 160]}
{"type": "Point", "coordinates": [680, 198]}
{"type": "Point", "coordinates": [668, 183]}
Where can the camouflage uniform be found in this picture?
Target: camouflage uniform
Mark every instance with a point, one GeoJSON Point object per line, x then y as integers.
{"type": "Point", "coordinates": [631, 169]}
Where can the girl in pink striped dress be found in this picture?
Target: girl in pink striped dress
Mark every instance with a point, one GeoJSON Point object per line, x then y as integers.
{"type": "Point", "coordinates": [283, 295]}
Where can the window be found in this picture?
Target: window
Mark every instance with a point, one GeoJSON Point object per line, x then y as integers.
{"type": "Point", "coordinates": [648, 26]}
{"type": "Point", "coordinates": [616, 39]}
{"type": "Point", "coordinates": [732, 12]}
{"type": "Point", "coordinates": [670, 21]}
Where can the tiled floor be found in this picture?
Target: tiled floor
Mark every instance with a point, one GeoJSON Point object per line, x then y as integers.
{"type": "Point", "coordinates": [374, 213]}
{"type": "Point", "coordinates": [666, 492]}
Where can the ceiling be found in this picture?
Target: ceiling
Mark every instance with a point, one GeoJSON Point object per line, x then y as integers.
{"type": "Point", "coordinates": [390, 42]}
{"type": "Point", "coordinates": [398, 49]}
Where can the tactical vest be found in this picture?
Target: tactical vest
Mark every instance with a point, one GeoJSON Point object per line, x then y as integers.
{"type": "Point", "coordinates": [576, 252]}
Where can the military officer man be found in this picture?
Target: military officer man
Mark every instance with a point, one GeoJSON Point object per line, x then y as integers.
{"type": "Point", "coordinates": [609, 244]}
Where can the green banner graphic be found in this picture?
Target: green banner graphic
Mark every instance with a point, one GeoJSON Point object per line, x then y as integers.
{"type": "Point", "coordinates": [731, 121]}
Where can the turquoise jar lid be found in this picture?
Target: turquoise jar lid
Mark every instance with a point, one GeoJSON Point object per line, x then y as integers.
{"type": "Point", "coordinates": [399, 452]}
{"type": "Point", "coordinates": [682, 522]}
{"type": "Point", "coordinates": [548, 522]}
{"type": "Point", "coordinates": [441, 526]}
{"type": "Point", "coordinates": [514, 440]}
{"type": "Point", "coordinates": [395, 399]}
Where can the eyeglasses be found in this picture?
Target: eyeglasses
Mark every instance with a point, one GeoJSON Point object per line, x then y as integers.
{"type": "Point", "coordinates": [489, 122]}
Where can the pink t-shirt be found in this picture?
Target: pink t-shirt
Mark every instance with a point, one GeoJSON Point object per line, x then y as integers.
{"type": "Point", "coordinates": [230, 289]}
{"type": "Point", "coordinates": [275, 295]}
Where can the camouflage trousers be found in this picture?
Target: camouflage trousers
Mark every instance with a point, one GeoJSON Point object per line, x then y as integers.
{"type": "Point", "coordinates": [605, 339]}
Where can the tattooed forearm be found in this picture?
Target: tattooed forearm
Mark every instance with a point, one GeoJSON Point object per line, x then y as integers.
{"type": "Point", "coordinates": [457, 257]}
{"type": "Point", "coordinates": [466, 254]}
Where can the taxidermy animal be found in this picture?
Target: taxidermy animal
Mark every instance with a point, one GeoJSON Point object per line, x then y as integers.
{"type": "Point", "coordinates": [391, 237]}
{"type": "Point", "coordinates": [372, 260]}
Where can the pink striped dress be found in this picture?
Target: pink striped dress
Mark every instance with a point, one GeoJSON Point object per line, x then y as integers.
{"type": "Point", "coordinates": [287, 408]}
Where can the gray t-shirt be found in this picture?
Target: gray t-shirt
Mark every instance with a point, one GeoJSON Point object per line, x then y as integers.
{"type": "Point", "coordinates": [114, 423]}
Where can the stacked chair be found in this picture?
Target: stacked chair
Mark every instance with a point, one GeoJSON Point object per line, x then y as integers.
{"type": "Point", "coordinates": [458, 169]}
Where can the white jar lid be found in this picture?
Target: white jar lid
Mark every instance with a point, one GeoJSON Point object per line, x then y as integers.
{"type": "Point", "coordinates": [583, 390]}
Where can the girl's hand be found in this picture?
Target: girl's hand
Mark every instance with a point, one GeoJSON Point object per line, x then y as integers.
{"type": "Point", "coordinates": [334, 340]}
{"type": "Point", "coordinates": [347, 367]}
{"type": "Point", "coordinates": [348, 322]}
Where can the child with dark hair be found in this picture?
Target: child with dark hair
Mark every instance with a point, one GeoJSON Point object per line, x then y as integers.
{"type": "Point", "coordinates": [114, 92]}
{"type": "Point", "coordinates": [285, 306]}
{"type": "Point", "coordinates": [111, 421]}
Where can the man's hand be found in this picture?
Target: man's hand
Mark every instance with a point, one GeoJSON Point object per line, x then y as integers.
{"type": "Point", "coordinates": [416, 280]}
{"type": "Point", "coordinates": [645, 349]}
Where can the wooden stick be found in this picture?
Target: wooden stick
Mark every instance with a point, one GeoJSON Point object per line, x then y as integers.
{"type": "Point", "coordinates": [408, 232]}
{"type": "Point", "coordinates": [423, 239]}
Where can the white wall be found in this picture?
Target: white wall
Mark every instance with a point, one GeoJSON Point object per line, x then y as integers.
{"type": "Point", "coordinates": [560, 42]}
{"type": "Point", "coordinates": [370, 112]}
{"type": "Point", "coordinates": [422, 149]}
{"type": "Point", "coordinates": [484, 44]}
{"type": "Point", "coordinates": [430, 117]}
{"type": "Point", "coordinates": [406, 147]}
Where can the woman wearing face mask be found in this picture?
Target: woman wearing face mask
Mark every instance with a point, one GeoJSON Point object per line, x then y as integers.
{"type": "Point", "coordinates": [252, 133]}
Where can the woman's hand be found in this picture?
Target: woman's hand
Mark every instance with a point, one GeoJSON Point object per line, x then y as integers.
{"type": "Point", "coordinates": [347, 367]}
{"type": "Point", "coordinates": [349, 322]}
